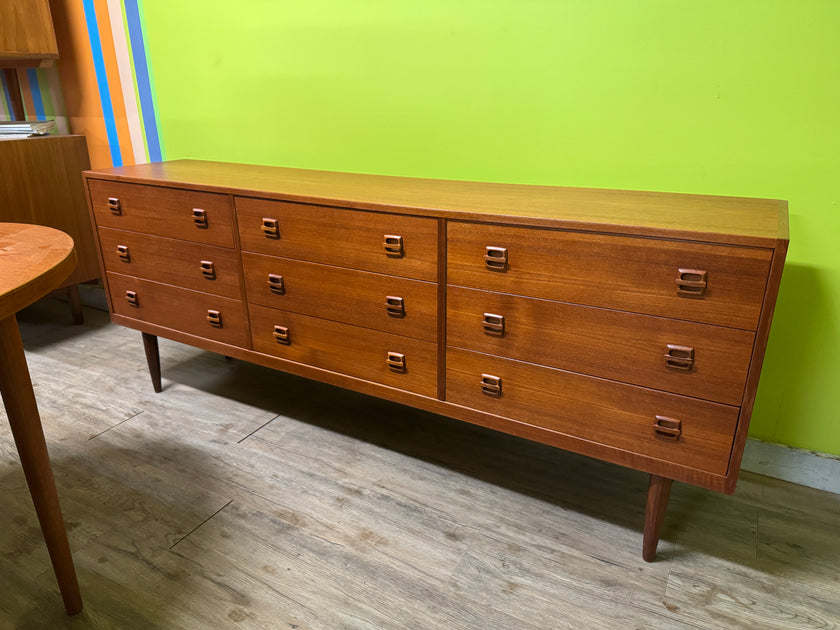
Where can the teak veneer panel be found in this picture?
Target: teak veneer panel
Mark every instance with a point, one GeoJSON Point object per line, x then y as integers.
{"type": "Point", "coordinates": [343, 295]}
{"type": "Point", "coordinates": [342, 238]}
{"type": "Point", "coordinates": [597, 410]}
{"type": "Point", "coordinates": [180, 309]}
{"type": "Point", "coordinates": [701, 217]}
{"type": "Point", "coordinates": [27, 37]}
{"type": "Point", "coordinates": [619, 272]}
{"type": "Point", "coordinates": [596, 341]}
{"type": "Point", "coordinates": [357, 352]}
{"type": "Point", "coordinates": [171, 261]}
{"type": "Point", "coordinates": [164, 212]}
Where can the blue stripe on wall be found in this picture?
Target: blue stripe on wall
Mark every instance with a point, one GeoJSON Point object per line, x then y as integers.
{"type": "Point", "coordinates": [102, 83]}
{"type": "Point", "coordinates": [7, 97]}
{"type": "Point", "coordinates": [141, 74]}
{"type": "Point", "coordinates": [32, 75]}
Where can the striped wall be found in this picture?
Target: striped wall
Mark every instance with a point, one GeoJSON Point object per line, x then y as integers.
{"type": "Point", "coordinates": [101, 86]}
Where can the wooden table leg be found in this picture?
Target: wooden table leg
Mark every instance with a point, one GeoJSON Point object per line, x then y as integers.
{"type": "Point", "coordinates": [22, 410]}
{"type": "Point", "coordinates": [75, 300]}
{"type": "Point", "coordinates": [659, 489]}
{"type": "Point", "coordinates": [150, 345]}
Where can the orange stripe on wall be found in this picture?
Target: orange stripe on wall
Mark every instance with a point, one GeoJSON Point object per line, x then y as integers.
{"type": "Point", "coordinates": [26, 91]}
{"type": "Point", "coordinates": [114, 86]}
{"type": "Point", "coordinates": [78, 79]}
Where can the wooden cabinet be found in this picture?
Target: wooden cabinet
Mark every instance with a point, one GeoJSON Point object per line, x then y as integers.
{"type": "Point", "coordinates": [626, 326]}
{"type": "Point", "coordinates": [27, 37]}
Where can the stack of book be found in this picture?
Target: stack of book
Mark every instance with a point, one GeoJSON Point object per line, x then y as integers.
{"type": "Point", "coordinates": [25, 128]}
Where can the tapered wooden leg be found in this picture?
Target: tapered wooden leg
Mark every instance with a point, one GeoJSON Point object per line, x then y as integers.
{"type": "Point", "coordinates": [150, 345]}
{"type": "Point", "coordinates": [75, 304]}
{"type": "Point", "coordinates": [22, 410]}
{"type": "Point", "coordinates": [659, 489]}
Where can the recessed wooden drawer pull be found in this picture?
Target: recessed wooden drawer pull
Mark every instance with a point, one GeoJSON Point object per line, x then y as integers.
{"type": "Point", "coordinates": [493, 324]}
{"type": "Point", "coordinates": [122, 252]}
{"type": "Point", "coordinates": [199, 217]}
{"type": "Point", "coordinates": [208, 269]}
{"type": "Point", "coordinates": [271, 227]}
{"type": "Point", "coordinates": [395, 306]}
{"type": "Point", "coordinates": [691, 283]}
{"type": "Point", "coordinates": [214, 318]}
{"type": "Point", "coordinates": [667, 428]}
{"type": "Point", "coordinates": [276, 284]}
{"type": "Point", "coordinates": [131, 298]}
{"type": "Point", "coordinates": [679, 357]}
{"type": "Point", "coordinates": [396, 361]}
{"type": "Point", "coordinates": [496, 258]}
{"type": "Point", "coordinates": [281, 335]}
{"type": "Point", "coordinates": [393, 245]}
{"type": "Point", "coordinates": [491, 385]}
{"type": "Point", "coordinates": [114, 205]}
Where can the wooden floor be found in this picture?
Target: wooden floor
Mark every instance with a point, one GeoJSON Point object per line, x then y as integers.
{"type": "Point", "coordinates": [244, 498]}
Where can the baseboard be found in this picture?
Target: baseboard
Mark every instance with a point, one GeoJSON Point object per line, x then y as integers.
{"type": "Point", "coordinates": [807, 468]}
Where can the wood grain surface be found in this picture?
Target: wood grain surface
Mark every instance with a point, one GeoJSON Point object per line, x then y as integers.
{"type": "Point", "coordinates": [357, 352]}
{"type": "Point", "coordinates": [343, 295]}
{"type": "Point", "coordinates": [172, 261]}
{"type": "Point", "coordinates": [624, 273]}
{"type": "Point", "coordinates": [341, 238]}
{"type": "Point", "coordinates": [27, 37]}
{"type": "Point", "coordinates": [615, 414]}
{"type": "Point", "coordinates": [163, 212]}
{"type": "Point", "coordinates": [41, 182]}
{"type": "Point", "coordinates": [600, 342]}
{"type": "Point", "coordinates": [179, 308]}
{"type": "Point", "coordinates": [723, 219]}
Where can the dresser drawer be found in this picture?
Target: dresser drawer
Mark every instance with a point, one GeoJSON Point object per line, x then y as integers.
{"type": "Point", "coordinates": [620, 272]}
{"type": "Point", "coordinates": [692, 433]}
{"type": "Point", "coordinates": [188, 265]}
{"type": "Point", "coordinates": [346, 349]}
{"type": "Point", "coordinates": [185, 214]}
{"type": "Point", "coordinates": [217, 318]}
{"type": "Point", "coordinates": [392, 244]}
{"type": "Point", "coordinates": [396, 305]}
{"type": "Point", "coordinates": [698, 360]}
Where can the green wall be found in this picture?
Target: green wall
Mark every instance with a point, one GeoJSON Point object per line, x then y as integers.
{"type": "Point", "coordinates": [720, 97]}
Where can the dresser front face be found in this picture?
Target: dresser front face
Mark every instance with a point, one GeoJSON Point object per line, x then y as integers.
{"type": "Point", "coordinates": [631, 348]}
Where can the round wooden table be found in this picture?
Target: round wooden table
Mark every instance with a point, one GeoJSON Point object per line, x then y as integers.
{"type": "Point", "coordinates": [34, 260]}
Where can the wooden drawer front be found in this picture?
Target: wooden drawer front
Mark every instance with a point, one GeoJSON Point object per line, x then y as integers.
{"type": "Point", "coordinates": [180, 309]}
{"type": "Point", "coordinates": [346, 349]}
{"type": "Point", "coordinates": [395, 305]}
{"type": "Point", "coordinates": [613, 414]}
{"type": "Point", "coordinates": [611, 344]}
{"type": "Point", "coordinates": [620, 272]}
{"type": "Point", "coordinates": [189, 265]}
{"type": "Point", "coordinates": [185, 214]}
{"type": "Point", "coordinates": [343, 238]}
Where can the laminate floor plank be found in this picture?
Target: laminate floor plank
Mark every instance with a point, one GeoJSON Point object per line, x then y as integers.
{"type": "Point", "coordinates": [240, 497]}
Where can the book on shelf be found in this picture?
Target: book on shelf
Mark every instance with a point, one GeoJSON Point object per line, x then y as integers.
{"type": "Point", "coordinates": [26, 128]}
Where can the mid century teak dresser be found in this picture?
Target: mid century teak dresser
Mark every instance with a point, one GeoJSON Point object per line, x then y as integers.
{"type": "Point", "coordinates": [627, 326]}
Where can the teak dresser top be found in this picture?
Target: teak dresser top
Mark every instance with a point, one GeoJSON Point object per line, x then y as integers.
{"type": "Point", "coordinates": [727, 220]}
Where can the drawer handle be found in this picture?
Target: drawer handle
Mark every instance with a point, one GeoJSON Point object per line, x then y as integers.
{"type": "Point", "coordinates": [679, 357]}
{"type": "Point", "coordinates": [396, 362]}
{"type": "Point", "coordinates": [114, 205]}
{"type": "Point", "coordinates": [395, 306]}
{"type": "Point", "coordinates": [214, 318]}
{"type": "Point", "coordinates": [493, 324]}
{"type": "Point", "coordinates": [667, 428]}
{"type": "Point", "coordinates": [131, 298]}
{"type": "Point", "coordinates": [199, 218]}
{"type": "Point", "coordinates": [496, 258]}
{"type": "Point", "coordinates": [276, 284]}
{"type": "Point", "coordinates": [691, 282]}
{"type": "Point", "coordinates": [122, 252]}
{"type": "Point", "coordinates": [271, 227]}
{"type": "Point", "coordinates": [491, 385]}
{"type": "Point", "coordinates": [208, 269]}
{"type": "Point", "coordinates": [393, 245]}
{"type": "Point", "coordinates": [281, 335]}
